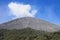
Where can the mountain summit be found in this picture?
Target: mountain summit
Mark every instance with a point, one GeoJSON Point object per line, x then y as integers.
{"type": "Point", "coordinates": [30, 22]}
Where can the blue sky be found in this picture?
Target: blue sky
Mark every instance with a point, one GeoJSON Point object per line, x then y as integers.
{"type": "Point", "coordinates": [48, 10]}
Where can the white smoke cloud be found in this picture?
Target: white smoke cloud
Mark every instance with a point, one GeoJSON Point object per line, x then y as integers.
{"type": "Point", "coordinates": [21, 10]}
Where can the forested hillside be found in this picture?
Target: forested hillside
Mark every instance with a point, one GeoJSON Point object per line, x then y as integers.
{"type": "Point", "coordinates": [28, 34]}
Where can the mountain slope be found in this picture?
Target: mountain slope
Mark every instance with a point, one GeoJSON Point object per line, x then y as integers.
{"type": "Point", "coordinates": [33, 23]}
{"type": "Point", "coordinates": [28, 34]}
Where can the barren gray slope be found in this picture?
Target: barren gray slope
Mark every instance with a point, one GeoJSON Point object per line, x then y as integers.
{"type": "Point", "coordinates": [33, 23]}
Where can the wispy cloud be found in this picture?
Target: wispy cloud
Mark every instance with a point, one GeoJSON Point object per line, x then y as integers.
{"type": "Point", "coordinates": [21, 10]}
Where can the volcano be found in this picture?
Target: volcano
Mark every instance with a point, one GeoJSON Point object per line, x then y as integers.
{"type": "Point", "coordinates": [34, 23]}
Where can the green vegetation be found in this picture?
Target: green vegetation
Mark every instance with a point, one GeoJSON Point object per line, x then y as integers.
{"type": "Point", "coordinates": [28, 34]}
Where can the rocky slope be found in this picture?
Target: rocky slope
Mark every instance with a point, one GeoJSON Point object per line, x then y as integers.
{"type": "Point", "coordinates": [33, 23]}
